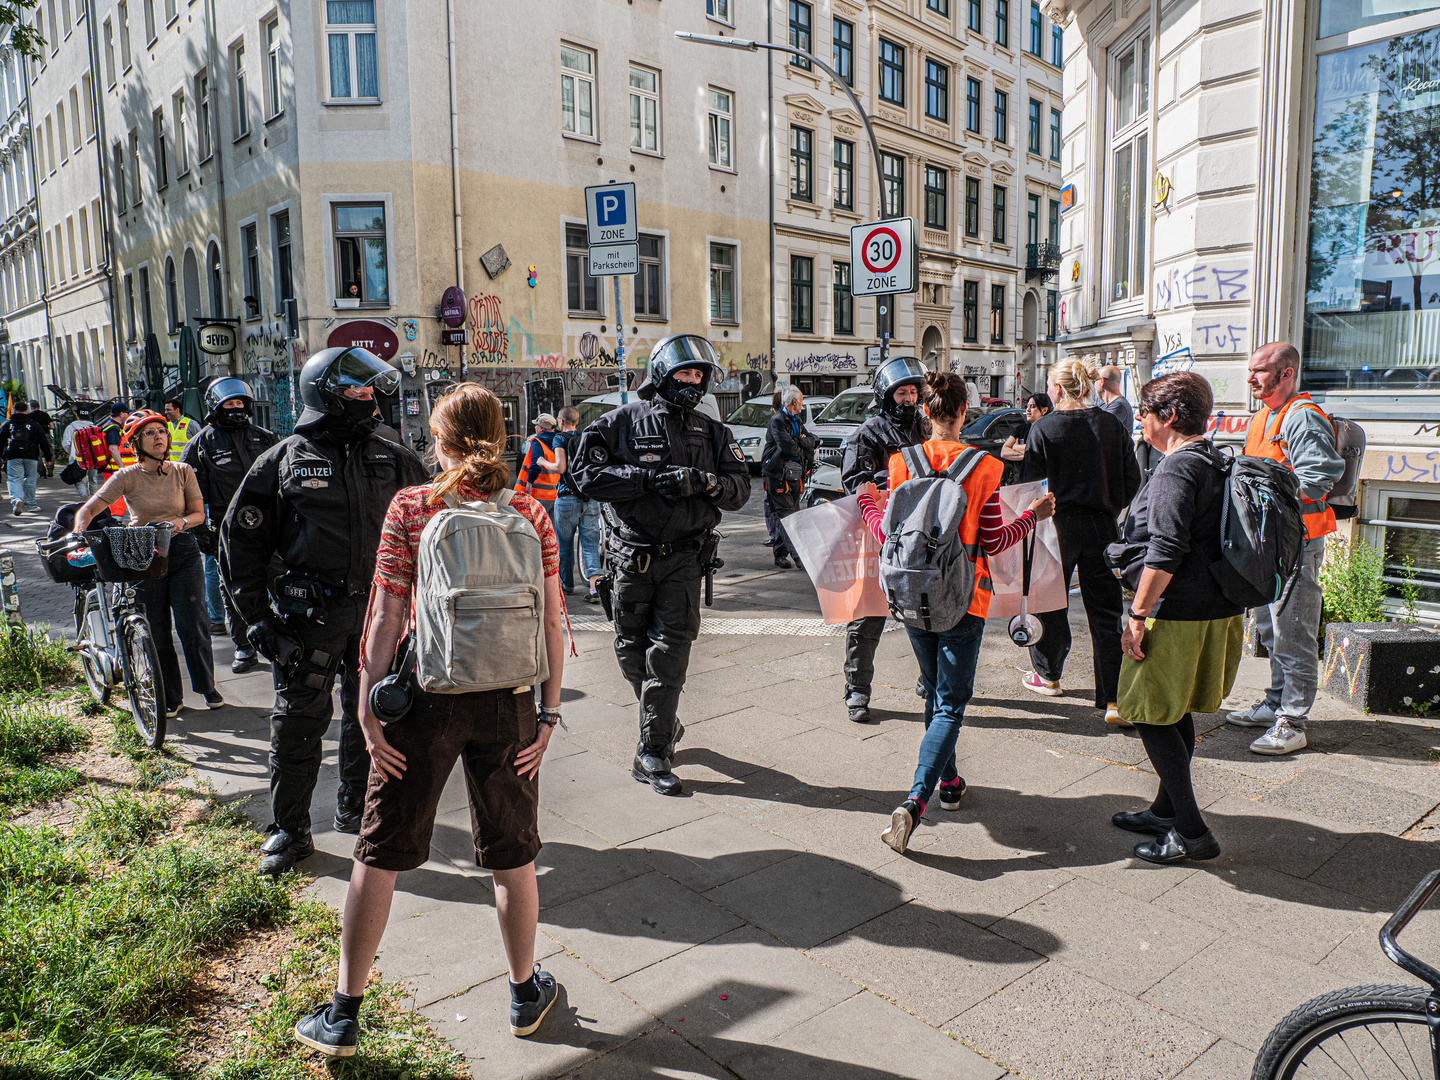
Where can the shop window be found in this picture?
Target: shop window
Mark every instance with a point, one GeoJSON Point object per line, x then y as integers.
{"type": "Point", "coordinates": [1342, 16]}
{"type": "Point", "coordinates": [361, 267]}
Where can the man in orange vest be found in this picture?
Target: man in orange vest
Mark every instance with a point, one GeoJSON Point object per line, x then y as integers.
{"type": "Point", "coordinates": [1291, 428]}
{"type": "Point", "coordinates": [540, 471]}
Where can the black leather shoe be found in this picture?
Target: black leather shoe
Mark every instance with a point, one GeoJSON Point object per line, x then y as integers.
{"type": "Point", "coordinates": [783, 563]}
{"type": "Point", "coordinates": [283, 850]}
{"type": "Point", "coordinates": [654, 770]}
{"type": "Point", "coordinates": [244, 662]}
{"type": "Point", "coordinates": [1174, 848]}
{"type": "Point", "coordinates": [1142, 821]}
{"type": "Point", "coordinates": [347, 820]}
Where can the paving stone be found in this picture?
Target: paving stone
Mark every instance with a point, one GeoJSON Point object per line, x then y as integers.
{"type": "Point", "coordinates": [710, 851]}
{"type": "Point", "coordinates": [587, 712]}
{"type": "Point", "coordinates": [1291, 842]}
{"type": "Point", "coordinates": [660, 1052]}
{"type": "Point", "coordinates": [851, 832]}
{"type": "Point", "coordinates": [1057, 1024]}
{"type": "Point", "coordinates": [1379, 869]}
{"type": "Point", "coordinates": [1359, 960]}
{"type": "Point", "coordinates": [825, 757]}
{"type": "Point", "coordinates": [234, 764]}
{"type": "Point", "coordinates": [767, 796]}
{"type": "Point", "coordinates": [894, 1044]}
{"type": "Point", "coordinates": [574, 863]}
{"type": "Point", "coordinates": [635, 923]}
{"type": "Point", "coordinates": [1350, 802]}
{"type": "Point", "coordinates": [1223, 1061]}
{"type": "Point", "coordinates": [584, 787]}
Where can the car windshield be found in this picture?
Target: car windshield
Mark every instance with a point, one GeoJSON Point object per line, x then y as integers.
{"type": "Point", "coordinates": [752, 414]}
{"type": "Point", "coordinates": [592, 410]}
{"type": "Point", "coordinates": [847, 409]}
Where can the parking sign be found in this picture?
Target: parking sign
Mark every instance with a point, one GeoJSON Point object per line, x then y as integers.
{"type": "Point", "coordinates": [883, 257]}
{"type": "Point", "coordinates": [610, 214]}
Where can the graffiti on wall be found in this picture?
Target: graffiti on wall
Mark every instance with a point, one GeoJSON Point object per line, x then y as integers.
{"type": "Point", "coordinates": [1413, 468]}
{"type": "Point", "coordinates": [822, 362]}
{"type": "Point", "coordinates": [1200, 283]}
{"type": "Point", "coordinates": [489, 339]}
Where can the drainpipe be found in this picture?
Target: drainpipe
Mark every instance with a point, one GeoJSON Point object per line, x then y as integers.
{"type": "Point", "coordinates": [770, 155]}
{"type": "Point", "coordinates": [1143, 367]}
{"type": "Point", "coordinates": [217, 144]}
{"type": "Point", "coordinates": [107, 201]}
{"type": "Point", "coordinates": [454, 142]}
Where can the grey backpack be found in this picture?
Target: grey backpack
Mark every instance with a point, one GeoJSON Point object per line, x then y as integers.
{"type": "Point", "coordinates": [479, 599]}
{"type": "Point", "coordinates": [926, 572]}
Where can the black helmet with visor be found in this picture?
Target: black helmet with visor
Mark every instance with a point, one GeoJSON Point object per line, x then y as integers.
{"type": "Point", "coordinates": [327, 376]}
{"type": "Point", "coordinates": [669, 356]}
{"type": "Point", "coordinates": [896, 372]}
{"type": "Point", "coordinates": [229, 389]}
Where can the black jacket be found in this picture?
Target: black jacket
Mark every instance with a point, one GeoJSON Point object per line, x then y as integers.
{"type": "Point", "coordinates": [1088, 458]}
{"type": "Point", "coordinates": [319, 505]}
{"type": "Point", "coordinates": [221, 457]}
{"type": "Point", "coordinates": [869, 447]}
{"type": "Point", "coordinates": [31, 438]}
{"type": "Point", "coordinates": [781, 445]}
{"type": "Point", "coordinates": [617, 452]}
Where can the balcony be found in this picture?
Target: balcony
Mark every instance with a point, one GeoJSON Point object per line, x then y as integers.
{"type": "Point", "coordinates": [1041, 261]}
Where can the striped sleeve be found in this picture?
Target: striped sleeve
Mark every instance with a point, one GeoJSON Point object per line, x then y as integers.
{"type": "Point", "coordinates": [873, 516]}
{"type": "Point", "coordinates": [995, 536]}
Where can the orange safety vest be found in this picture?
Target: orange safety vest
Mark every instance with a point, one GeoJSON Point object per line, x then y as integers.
{"type": "Point", "coordinates": [547, 482]}
{"type": "Point", "coordinates": [983, 481]}
{"type": "Point", "coordinates": [1262, 440]}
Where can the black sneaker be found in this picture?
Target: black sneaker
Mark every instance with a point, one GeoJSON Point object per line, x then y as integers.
{"type": "Point", "coordinates": [525, 1016]}
{"type": "Point", "coordinates": [213, 700]}
{"type": "Point", "coordinates": [902, 823]}
{"type": "Point", "coordinates": [857, 703]}
{"type": "Point", "coordinates": [333, 1040]}
{"type": "Point", "coordinates": [950, 794]}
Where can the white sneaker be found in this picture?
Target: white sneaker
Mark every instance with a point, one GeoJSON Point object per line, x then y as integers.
{"type": "Point", "coordinates": [1280, 739]}
{"type": "Point", "coordinates": [1034, 682]}
{"type": "Point", "coordinates": [1258, 715]}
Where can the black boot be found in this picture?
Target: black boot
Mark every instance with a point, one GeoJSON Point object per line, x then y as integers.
{"type": "Point", "coordinates": [283, 850]}
{"type": "Point", "coordinates": [347, 815]}
{"type": "Point", "coordinates": [857, 702]}
{"type": "Point", "coordinates": [783, 562]}
{"type": "Point", "coordinates": [650, 768]}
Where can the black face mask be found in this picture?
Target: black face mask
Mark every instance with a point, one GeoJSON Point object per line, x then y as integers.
{"type": "Point", "coordinates": [357, 419]}
{"type": "Point", "coordinates": [903, 415]}
{"type": "Point", "coordinates": [685, 395]}
{"type": "Point", "coordinates": [232, 419]}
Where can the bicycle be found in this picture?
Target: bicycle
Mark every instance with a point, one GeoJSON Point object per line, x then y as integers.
{"type": "Point", "coordinates": [1376, 1032]}
{"type": "Point", "coordinates": [112, 634]}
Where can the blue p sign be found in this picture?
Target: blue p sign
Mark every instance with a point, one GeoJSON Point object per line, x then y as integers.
{"type": "Point", "coordinates": [609, 208]}
{"type": "Point", "coordinates": [610, 213]}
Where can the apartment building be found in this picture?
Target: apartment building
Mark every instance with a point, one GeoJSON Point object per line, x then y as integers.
{"type": "Point", "coordinates": [963, 97]}
{"type": "Point", "coordinates": [24, 339]}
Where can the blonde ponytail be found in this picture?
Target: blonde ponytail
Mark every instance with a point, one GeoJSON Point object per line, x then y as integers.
{"type": "Point", "coordinates": [1076, 378]}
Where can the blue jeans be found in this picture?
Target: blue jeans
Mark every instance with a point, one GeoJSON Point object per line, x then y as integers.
{"type": "Point", "coordinates": [947, 667]}
{"type": "Point", "coordinates": [213, 599]}
{"type": "Point", "coordinates": [572, 513]}
{"type": "Point", "coordinates": [21, 474]}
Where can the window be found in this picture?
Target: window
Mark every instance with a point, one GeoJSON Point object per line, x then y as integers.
{"type": "Point", "coordinates": [801, 160]}
{"type": "Point", "coordinates": [130, 306]}
{"type": "Point", "coordinates": [362, 270]}
{"type": "Point", "coordinates": [1032, 219]}
{"type": "Point", "coordinates": [352, 56]}
{"type": "Point", "coordinates": [241, 102]}
{"type": "Point", "coordinates": [1053, 235]}
{"type": "Point", "coordinates": [1057, 46]}
{"type": "Point", "coordinates": [844, 175]}
{"type": "Point", "coordinates": [134, 166]}
{"type": "Point", "coordinates": [250, 252]}
{"type": "Point", "coordinates": [1054, 134]}
{"type": "Point", "coordinates": [1051, 296]}
{"type": "Point", "coordinates": [800, 32]}
{"type": "Point", "coordinates": [1033, 144]}
{"type": "Point", "coordinates": [972, 19]}
{"type": "Point", "coordinates": [582, 294]}
{"type": "Point", "coordinates": [122, 15]}
{"type": "Point", "coordinates": [997, 215]}
{"type": "Point", "coordinates": [109, 53]}
{"type": "Point", "coordinates": [274, 103]}
{"type": "Point", "coordinates": [122, 196]}
{"type": "Point", "coordinates": [802, 294]}
{"type": "Point", "coordinates": [997, 314]}
{"type": "Point", "coordinates": [149, 21]}
{"type": "Point", "coordinates": [842, 50]}
{"type": "Point", "coordinates": [935, 201]}
{"type": "Point", "coordinates": [283, 272]}
{"type": "Point", "coordinates": [172, 298]}
{"type": "Point", "coordinates": [844, 302]}
{"type": "Point", "coordinates": [650, 282]}
{"type": "Point", "coordinates": [182, 148]}
{"type": "Point", "coordinates": [161, 149]}
{"type": "Point", "coordinates": [940, 7]}
{"type": "Point", "coordinates": [1126, 210]}
{"type": "Point", "coordinates": [644, 109]}
{"type": "Point", "coordinates": [937, 91]}
{"type": "Point", "coordinates": [1002, 23]}
{"type": "Point", "coordinates": [147, 327]}
{"type": "Point", "coordinates": [217, 281]}
{"type": "Point", "coordinates": [972, 206]}
{"type": "Point", "coordinates": [202, 116]}
{"type": "Point", "coordinates": [892, 72]}
{"type": "Point", "coordinates": [1037, 28]}
{"type": "Point", "coordinates": [892, 182]}
{"type": "Point", "coordinates": [722, 283]}
{"type": "Point", "coordinates": [170, 13]}
{"type": "Point", "coordinates": [70, 236]}
{"type": "Point", "coordinates": [718, 9]}
{"type": "Point", "coordinates": [972, 105]}
{"type": "Point", "coordinates": [64, 136]}
{"type": "Point", "coordinates": [50, 141]}
{"type": "Point", "coordinates": [577, 91]}
{"type": "Point", "coordinates": [970, 311]}
{"type": "Point", "coordinates": [1002, 119]}
{"type": "Point", "coordinates": [1411, 548]}
{"type": "Point", "coordinates": [719, 131]}
{"type": "Point", "coordinates": [83, 108]}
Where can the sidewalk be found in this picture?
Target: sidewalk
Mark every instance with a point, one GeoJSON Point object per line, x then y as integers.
{"type": "Point", "coordinates": [760, 926]}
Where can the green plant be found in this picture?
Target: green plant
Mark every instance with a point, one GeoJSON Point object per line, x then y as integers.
{"type": "Point", "coordinates": [31, 731]}
{"type": "Point", "coordinates": [1350, 579]}
{"type": "Point", "coordinates": [1410, 591]}
{"type": "Point", "coordinates": [30, 659]}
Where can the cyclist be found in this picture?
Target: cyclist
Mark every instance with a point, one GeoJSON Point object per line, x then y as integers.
{"type": "Point", "coordinates": [155, 490]}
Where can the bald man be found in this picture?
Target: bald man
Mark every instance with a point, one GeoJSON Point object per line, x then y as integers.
{"type": "Point", "coordinates": [1112, 396]}
{"type": "Point", "coordinates": [1291, 428]}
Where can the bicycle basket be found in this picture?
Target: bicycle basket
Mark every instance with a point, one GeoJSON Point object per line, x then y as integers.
{"type": "Point", "coordinates": [130, 554]}
{"type": "Point", "coordinates": [73, 567]}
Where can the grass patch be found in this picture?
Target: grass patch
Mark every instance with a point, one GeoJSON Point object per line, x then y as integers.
{"type": "Point", "coordinates": [30, 731]}
{"type": "Point", "coordinates": [32, 660]}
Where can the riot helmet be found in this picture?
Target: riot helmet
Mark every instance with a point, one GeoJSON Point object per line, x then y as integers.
{"type": "Point", "coordinates": [896, 372]}
{"type": "Point", "coordinates": [228, 389]}
{"type": "Point", "coordinates": [327, 376]}
{"type": "Point", "coordinates": [669, 356]}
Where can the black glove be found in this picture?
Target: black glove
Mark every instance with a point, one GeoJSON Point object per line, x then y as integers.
{"type": "Point", "coordinates": [264, 635]}
{"type": "Point", "coordinates": [679, 482]}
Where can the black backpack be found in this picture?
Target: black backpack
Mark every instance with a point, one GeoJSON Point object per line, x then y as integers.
{"type": "Point", "coordinates": [22, 441]}
{"type": "Point", "coordinates": [1262, 529]}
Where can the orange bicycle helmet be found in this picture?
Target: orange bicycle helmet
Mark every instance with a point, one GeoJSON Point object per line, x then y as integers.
{"type": "Point", "coordinates": [140, 419]}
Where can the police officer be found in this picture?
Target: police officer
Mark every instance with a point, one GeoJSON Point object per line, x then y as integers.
{"type": "Point", "coordinates": [317, 500]}
{"type": "Point", "coordinates": [667, 472]}
{"type": "Point", "coordinates": [898, 423]}
{"type": "Point", "coordinates": [221, 454]}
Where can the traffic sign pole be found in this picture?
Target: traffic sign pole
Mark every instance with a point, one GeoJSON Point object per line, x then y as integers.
{"type": "Point", "coordinates": [620, 344]}
{"type": "Point", "coordinates": [612, 226]}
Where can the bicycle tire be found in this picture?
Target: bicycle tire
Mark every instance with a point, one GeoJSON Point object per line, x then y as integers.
{"type": "Point", "coordinates": [1374, 1008]}
{"type": "Point", "coordinates": [96, 674]}
{"type": "Point", "coordinates": [144, 681]}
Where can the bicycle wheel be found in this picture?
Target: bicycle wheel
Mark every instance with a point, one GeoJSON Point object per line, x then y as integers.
{"type": "Point", "coordinates": [144, 681]}
{"type": "Point", "coordinates": [1374, 1032]}
{"type": "Point", "coordinates": [95, 672]}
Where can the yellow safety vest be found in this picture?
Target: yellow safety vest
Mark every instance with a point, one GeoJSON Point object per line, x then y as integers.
{"type": "Point", "coordinates": [180, 434]}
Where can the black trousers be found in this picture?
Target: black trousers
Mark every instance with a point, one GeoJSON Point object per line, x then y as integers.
{"type": "Point", "coordinates": [180, 593]}
{"type": "Point", "coordinates": [1083, 538]}
{"type": "Point", "coordinates": [303, 710]}
{"type": "Point", "coordinates": [657, 618]}
{"type": "Point", "coordinates": [862, 638]}
{"type": "Point", "coordinates": [777, 508]}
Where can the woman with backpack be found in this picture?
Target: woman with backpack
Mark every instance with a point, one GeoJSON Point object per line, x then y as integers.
{"type": "Point", "coordinates": [948, 656]}
{"type": "Point", "coordinates": [496, 734]}
{"type": "Point", "coordinates": [1182, 636]}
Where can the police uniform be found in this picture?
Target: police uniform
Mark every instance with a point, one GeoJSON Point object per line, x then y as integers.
{"type": "Point", "coordinates": [659, 546]}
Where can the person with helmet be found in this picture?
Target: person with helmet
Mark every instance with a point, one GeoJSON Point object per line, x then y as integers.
{"type": "Point", "coordinates": [866, 459]}
{"type": "Point", "coordinates": [666, 471]}
{"type": "Point", "coordinates": [182, 428]}
{"type": "Point", "coordinates": [316, 500]}
{"type": "Point", "coordinates": [156, 489]}
{"type": "Point", "coordinates": [221, 454]}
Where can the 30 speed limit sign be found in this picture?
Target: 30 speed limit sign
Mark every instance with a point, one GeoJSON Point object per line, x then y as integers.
{"type": "Point", "coordinates": [883, 257]}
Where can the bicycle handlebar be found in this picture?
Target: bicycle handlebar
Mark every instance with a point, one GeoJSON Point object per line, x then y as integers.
{"type": "Point", "coordinates": [60, 543]}
{"type": "Point", "coordinates": [1417, 899]}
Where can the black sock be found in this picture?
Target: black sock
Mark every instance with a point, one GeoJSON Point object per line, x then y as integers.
{"type": "Point", "coordinates": [1169, 751]}
{"type": "Point", "coordinates": [345, 1007]}
{"type": "Point", "coordinates": [525, 991]}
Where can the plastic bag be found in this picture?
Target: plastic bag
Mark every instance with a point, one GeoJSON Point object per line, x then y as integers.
{"type": "Point", "coordinates": [1048, 590]}
{"type": "Point", "coordinates": [841, 556]}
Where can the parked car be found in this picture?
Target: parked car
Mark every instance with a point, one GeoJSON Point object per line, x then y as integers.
{"type": "Point", "coordinates": [596, 407]}
{"type": "Point", "coordinates": [750, 422]}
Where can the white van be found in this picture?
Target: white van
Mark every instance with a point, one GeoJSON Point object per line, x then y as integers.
{"type": "Point", "coordinates": [750, 422]}
{"type": "Point", "coordinates": [595, 407]}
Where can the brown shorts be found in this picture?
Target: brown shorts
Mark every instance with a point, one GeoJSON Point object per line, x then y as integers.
{"type": "Point", "coordinates": [485, 731]}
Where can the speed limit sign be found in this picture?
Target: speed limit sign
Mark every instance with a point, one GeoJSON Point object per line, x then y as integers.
{"type": "Point", "coordinates": [883, 257]}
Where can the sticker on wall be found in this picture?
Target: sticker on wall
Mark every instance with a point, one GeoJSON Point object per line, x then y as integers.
{"type": "Point", "coordinates": [530, 276]}
{"type": "Point", "coordinates": [1075, 270]}
{"type": "Point", "coordinates": [1162, 190]}
{"type": "Point", "coordinates": [411, 328]}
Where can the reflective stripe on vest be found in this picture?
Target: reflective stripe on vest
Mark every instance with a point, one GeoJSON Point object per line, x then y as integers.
{"type": "Point", "coordinates": [983, 481]}
{"type": "Point", "coordinates": [547, 481]}
{"type": "Point", "coordinates": [1262, 440]}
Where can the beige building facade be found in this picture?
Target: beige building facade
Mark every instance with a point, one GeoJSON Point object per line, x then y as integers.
{"type": "Point", "coordinates": [25, 338]}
